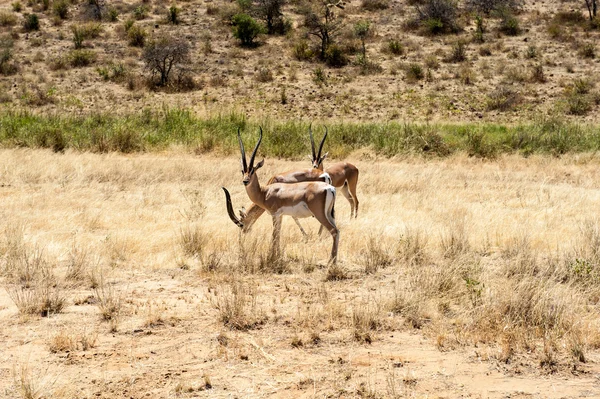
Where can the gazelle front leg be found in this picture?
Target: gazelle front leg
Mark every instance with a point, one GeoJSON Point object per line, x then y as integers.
{"type": "Point", "coordinates": [305, 236]}
{"type": "Point", "coordinates": [274, 251]}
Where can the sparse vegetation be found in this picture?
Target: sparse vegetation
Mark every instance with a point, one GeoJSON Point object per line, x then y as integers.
{"type": "Point", "coordinates": [164, 55]}
{"type": "Point", "coordinates": [246, 29]}
{"type": "Point", "coordinates": [31, 22]}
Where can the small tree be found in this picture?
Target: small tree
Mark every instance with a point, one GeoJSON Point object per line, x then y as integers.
{"type": "Point", "coordinates": [322, 22]}
{"type": "Point", "coordinates": [362, 30]}
{"type": "Point", "coordinates": [162, 55]}
{"type": "Point", "coordinates": [592, 8]}
{"type": "Point", "coordinates": [270, 12]}
{"type": "Point", "coordinates": [97, 8]}
{"type": "Point", "coordinates": [246, 29]}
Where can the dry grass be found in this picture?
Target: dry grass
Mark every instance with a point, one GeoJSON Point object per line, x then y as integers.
{"type": "Point", "coordinates": [498, 257]}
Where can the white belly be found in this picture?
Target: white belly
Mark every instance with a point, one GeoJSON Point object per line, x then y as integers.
{"type": "Point", "coordinates": [299, 210]}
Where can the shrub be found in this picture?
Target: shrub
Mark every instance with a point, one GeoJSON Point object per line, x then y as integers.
{"type": "Point", "coordinates": [81, 58]}
{"type": "Point", "coordinates": [375, 5]}
{"type": "Point", "coordinates": [246, 29]}
{"type": "Point", "coordinates": [334, 57]}
{"type": "Point", "coordinates": [479, 30]}
{"type": "Point", "coordinates": [509, 24]}
{"type": "Point", "coordinates": [7, 19]}
{"type": "Point", "coordinates": [487, 6]}
{"type": "Point", "coordinates": [140, 12]}
{"type": "Point", "coordinates": [414, 73]}
{"type": "Point", "coordinates": [302, 51]}
{"type": "Point", "coordinates": [502, 99]}
{"type": "Point", "coordinates": [568, 18]}
{"type": "Point", "coordinates": [264, 75]}
{"type": "Point", "coordinates": [83, 32]}
{"type": "Point", "coordinates": [137, 36]}
{"type": "Point", "coordinates": [16, 6]}
{"type": "Point", "coordinates": [173, 15]}
{"type": "Point", "coordinates": [395, 47]}
{"type": "Point", "coordinates": [319, 76]}
{"type": "Point", "coordinates": [588, 50]}
{"type": "Point", "coordinates": [578, 104]}
{"type": "Point", "coordinates": [162, 55]}
{"type": "Point", "coordinates": [31, 22]}
{"type": "Point", "coordinates": [537, 74]}
{"type": "Point", "coordinates": [96, 8]}
{"type": "Point", "coordinates": [61, 9]}
{"type": "Point", "coordinates": [6, 67]}
{"type": "Point", "coordinates": [458, 53]}
{"type": "Point", "coordinates": [438, 16]}
{"type": "Point", "coordinates": [113, 14]}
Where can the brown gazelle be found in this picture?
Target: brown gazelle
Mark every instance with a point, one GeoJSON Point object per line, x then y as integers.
{"type": "Point", "coordinates": [342, 174]}
{"type": "Point", "coordinates": [304, 199]}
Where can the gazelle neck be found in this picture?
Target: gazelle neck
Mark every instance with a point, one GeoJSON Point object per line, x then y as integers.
{"type": "Point", "coordinates": [255, 191]}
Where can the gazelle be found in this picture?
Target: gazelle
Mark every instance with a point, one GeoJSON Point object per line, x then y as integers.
{"type": "Point", "coordinates": [342, 174]}
{"type": "Point", "coordinates": [300, 200]}
{"type": "Point", "coordinates": [254, 211]}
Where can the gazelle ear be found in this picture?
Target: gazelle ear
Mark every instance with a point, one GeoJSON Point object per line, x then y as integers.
{"type": "Point", "coordinates": [309, 158]}
{"type": "Point", "coordinates": [324, 156]}
{"type": "Point", "coordinates": [259, 165]}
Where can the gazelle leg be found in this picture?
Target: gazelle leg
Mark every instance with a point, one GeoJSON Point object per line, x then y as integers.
{"type": "Point", "coordinates": [274, 252]}
{"type": "Point", "coordinates": [350, 198]}
{"type": "Point", "coordinates": [327, 219]}
{"type": "Point", "coordinates": [301, 229]}
{"type": "Point", "coordinates": [352, 182]}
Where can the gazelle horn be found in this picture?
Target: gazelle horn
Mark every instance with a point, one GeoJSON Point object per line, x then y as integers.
{"type": "Point", "coordinates": [322, 142]}
{"type": "Point", "coordinates": [232, 216]}
{"type": "Point", "coordinates": [244, 165]}
{"type": "Point", "coordinates": [312, 142]}
{"type": "Point", "coordinates": [255, 150]}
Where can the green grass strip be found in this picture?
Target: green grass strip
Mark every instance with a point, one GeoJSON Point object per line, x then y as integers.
{"type": "Point", "coordinates": [154, 131]}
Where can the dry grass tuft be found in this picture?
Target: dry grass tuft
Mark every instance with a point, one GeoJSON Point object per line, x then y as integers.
{"type": "Point", "coordinates": [236, 304]}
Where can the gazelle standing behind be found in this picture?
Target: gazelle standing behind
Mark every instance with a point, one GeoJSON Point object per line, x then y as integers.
{"type": "Point", "coordinates": [342, 174]}
{"type": "Point", "coordinates": [300, 200]}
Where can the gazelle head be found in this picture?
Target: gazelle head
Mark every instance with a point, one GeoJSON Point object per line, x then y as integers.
{"type": "Point", "coordinates": [248, 171]}
{"type": "Point", "coordinates": [317, 159]}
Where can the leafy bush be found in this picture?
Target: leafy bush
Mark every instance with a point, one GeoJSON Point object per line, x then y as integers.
{"type": "Point", "coordinates": [334, 57]}
{"type": "Point", "coordinates": [487, 6]}
{"type": "Point", "coordinates": [173, 15]}
{"type": "Point", "coordinates": [578, 104]}
{"type": "Point", "coordinates": [269, 11]}
{"type": "Point", "coordinates": [7, 19]}
{"type": "Point", "coordinates": [113, 14]}
{"type": "Point", "coordinates": [395, 47]}
{"type": "Point", "coordinates": [140, 12]}
{"type": "Point", "coordinates": [414, 73]}
{"type": "Point", "coordinates": [458, 53]}
{"type": "Point", "coordinates": [7, 67]}
{"type": "Point", "coordinates": [83, 32]}
{"type": "Point", "coordinates": [438, 16]}
{"type": "Point", "coordinates": [588, 50]}
{"type": "Point", "coordinates": [246, 29]}
{"type": "Point", "coordinates": [61, 9]}
{"type": "Point", "coordinates": [81, 58]}
{"type": "Point", "coordinates": [16, 6]}
{"type": "Point", "coordinates": [509, 24]}
{"type": "Point", "coordinates": [302, 51]}
{"type": "Point", "coordinates": [31, 22]}
{"type": "Point", "coordinates": [137, 36]}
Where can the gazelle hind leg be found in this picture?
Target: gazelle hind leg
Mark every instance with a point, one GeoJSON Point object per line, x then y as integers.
{"type": "Point", "coordinates": [301, 229]}
{"type": "Point", "coordinates": [327, 220]}
{"type": "Point", "coordinates": [352, 182]}
{"type": "Point", "coordinates": [349, 197]}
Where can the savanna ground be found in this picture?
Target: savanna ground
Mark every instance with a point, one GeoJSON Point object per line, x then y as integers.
{"type": "Point", "coordinates": [460, 278]}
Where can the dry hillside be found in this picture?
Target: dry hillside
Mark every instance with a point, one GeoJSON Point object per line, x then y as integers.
{"type": "Point", "coordinates": [548, 68]}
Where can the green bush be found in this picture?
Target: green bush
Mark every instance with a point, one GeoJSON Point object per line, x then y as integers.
{"type": "Point", "coordinates": [509, 24]}
{"type": "Point", "coordinates": [246, 29]}
{"type": "Point", "coordinates": [334, 57]}
{"type": "Point", "coordinates": [302, 51]}
{"type": "Point", "coordinates": [113, 14]}
{"type": "Point", "coordinates": [140, 12]}
{"type": "Point", "coordinates": [414, 73]}
{"type": "Point", "coordinates": [61, 9]}
{"type": "Point", "coordinates": [173, 15]}
{"type": "Point", "coordinates": [81, 58]}
{"type": "Point", "coordinates": [375, 5]}
{"type": "Point", "coordinates": [395, 47]}
{"type": "Point", "coordinates": [137, 36]}
{"type": "Point", "coordinates": [31, 22]}
{"type": "Point", "coordinates": [16, 6]}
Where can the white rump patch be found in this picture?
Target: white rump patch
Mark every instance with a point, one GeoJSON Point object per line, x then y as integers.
{"type": "Point", "coordinates": [300, 210]}
{"type": "Point", "coordinates": [326, 178]}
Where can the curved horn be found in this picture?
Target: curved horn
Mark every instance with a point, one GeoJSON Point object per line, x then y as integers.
{"type": "Point", "coordinates": [312, 142]}
{"type": "Point", "coordinates": [244, 165]}
{"type": "Point", "coordinates": [232, 216]}
{"type": "Point", "coordinates": [322, 142]}
{"type": "Point", "coordinates": [255, 149]}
